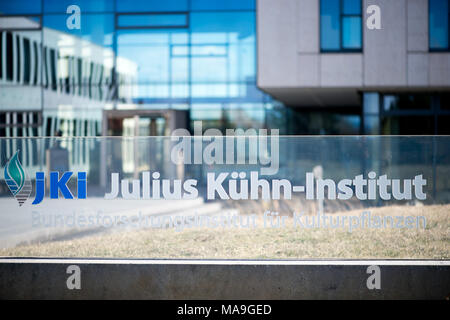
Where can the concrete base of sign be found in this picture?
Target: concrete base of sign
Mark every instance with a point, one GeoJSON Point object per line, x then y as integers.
{"type": "Point", "coordinates": [216, 279]}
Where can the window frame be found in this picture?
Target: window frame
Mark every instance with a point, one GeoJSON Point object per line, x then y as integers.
{"type": "Point", "coordinates": [117, 25]}
{"type": "Point", "coordinates": [341, 18]}
{"type": "Point", "coordinates": [430, 49]}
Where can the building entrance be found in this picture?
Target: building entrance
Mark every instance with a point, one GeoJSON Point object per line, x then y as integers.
{"type": "Point", "coordinates": [153, 153]}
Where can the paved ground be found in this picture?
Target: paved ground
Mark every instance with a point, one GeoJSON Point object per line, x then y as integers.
{"type": "Point", "coordinates": [55, 219]}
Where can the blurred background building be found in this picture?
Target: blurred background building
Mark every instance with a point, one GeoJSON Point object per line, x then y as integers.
{"type": "Point", "coordinates": [320, 59]}
{"type": "Point", "coordinates": [145, 67]}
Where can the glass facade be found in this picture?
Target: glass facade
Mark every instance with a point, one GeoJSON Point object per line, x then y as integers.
{"type": "Point", "coordinates": [327, 121]}
{"type": "Point", "coordinates": [405, 113]}
{"type": "Point", "coordinates": [190, 55]}
{"type": "Point", "coordinates": [195, 57]}
{"type": "Point", "coordinates": [439, 16]}
{"type": "Point", "coordinates": [340, 25]}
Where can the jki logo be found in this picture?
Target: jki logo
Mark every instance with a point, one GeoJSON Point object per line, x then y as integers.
{"type": "Point", "coordinates": [20, 185]}
{"type": "Point", "coordinates": [59, 184]}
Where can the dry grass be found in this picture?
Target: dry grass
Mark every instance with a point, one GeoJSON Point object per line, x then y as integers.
{"type": "Point", "coordinates": [264, 243]}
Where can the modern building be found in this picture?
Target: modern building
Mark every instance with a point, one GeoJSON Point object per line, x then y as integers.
{"type": "Point", "coordinates": [147, 67]}
{"type": "Point", "coordinates": [133, 67]}
{"type": "Point", "coordinates": [319, 58]}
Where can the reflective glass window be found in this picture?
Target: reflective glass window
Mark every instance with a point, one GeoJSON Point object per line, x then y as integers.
{"type": "Point", "coordinates": [60, 6]}
{"type": "Point", "coordinates": [407, 102]}
{"type": "Point", "coordinates": [95, 28]}
{"type": "Point", "coordinates": [330, 25]}
{"type": "Point", "coordinates": [151, 5]}
{"type": "Point", "coordinates": [223, 47]}
{"type": "Point", "coordinates": [152, 20]}
{"type": "Point", "coordinates": [351, 7]}
{"type": "Point", "coordinates": [351, 33]}
{"type": "Point", "coordinates": [158, 73]}
{"type": "Point", "coordinates": [439, 24]}
{"type": "Point", "coordinates": [20, 7]}
{"type": "Point", "coordinates": [340, 25]}
{"type": "Point", "coordinates": [198, 5]}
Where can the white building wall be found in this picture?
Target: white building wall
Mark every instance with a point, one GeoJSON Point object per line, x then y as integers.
{"type": "Point", "coordinates": [343, 69]}
{"type": "Point", "coordinates": [396, 56]}
{"type": "Point", "coordinates": [384, 50]}
{"type": "Point", "coordinates": [417, 15]}
{"type": "Point", "coordinates": [308, 60]}
{"type": "Point", "coordinates": [277, 23]}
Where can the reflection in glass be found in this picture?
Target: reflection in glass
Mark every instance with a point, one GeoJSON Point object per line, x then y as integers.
{"type": "Point", "coordinates": [439, 24]}
{"type": "Point", "coordinates": [20, 22]}
{"type": "Point", "coordinates": [351, 32]}
{"type": "Point", "coordinates": [20, 72]}
{"type": "Point", "coordinates": [350, 7]}
{"type": "Point", "coordinates": [407, 102]}
{"type": "Point", "coordinates": [199, 5]}
{"type": "Point", "coordinates": [340, 25]}
{"type": "Point", "coordinates": [80, 62]}
{"type": "Point", "coordinates": [160, 74]}
{"type": "Point", "coordinates": [96, 28]}
{"type": "Point", "coordinates": [20, 7]}
{"type": "Point", "coordinates": [413, 125]}
{"type": "Point", "coordinates": [152, 20]}
{"type": "Point", "coordinates": [223, 47]}
{"type": "Point", "coordinates": [244, 116]}
{"type": "Point", "coordinates": [214, 58]}
{"type": "Point", "coordinates": [60, 6]}
{"type": "Point", "coordinates": [151, 6]}
{"type": "Point", "coordinates": [302, 122]}
{"type": "Point", "coordinates": [371, 102]}
{"type": "Point", "coordinates": [329, 25]}
{"type": "Point", "coordinates": [403, 158]}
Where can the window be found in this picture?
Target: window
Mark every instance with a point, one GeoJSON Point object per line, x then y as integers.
{"type": "Point", "coordinates": [44, 65]}
{"type": "Point", "coordinates": [52, 68]}
{"type": "Point", "coordinates": [155, 20]}
{"type": "Point", "coordinates": [439, 11]}
{"type": "Point", "coordinates": [204, 5]}
{"type": "Point", "coordinates": [36, 62]}
{"type": "Point", "coordinates": [371, 113]}
{"type": "Point", "coordinates": [20, 7]}
{"type": "Point", "coordinates": [340, 25]}
{"type": "Point", "coordinates": [60, 6]}
{"type": "Point", "coordinates": [406, 102]}
{"type": "Point", "coordinates": [1, 55]}
{"type": "Point", "coordinates": [26, 58]}
{"type": "Point", "coordinates": [151, 6]}
{"type": "Point", "coordinates": [9, 56]}
{"type": "Point", "coordinates": [18, 58]}
{"type": "Point", "coordinates": [96, 28]}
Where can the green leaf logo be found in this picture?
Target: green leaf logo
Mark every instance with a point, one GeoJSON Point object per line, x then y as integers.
{"type": "Point", "coordinates": [16, 179]}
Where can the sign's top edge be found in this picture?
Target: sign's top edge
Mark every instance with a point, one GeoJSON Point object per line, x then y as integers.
{"type": "Point", "coordinates": [225, 136]}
